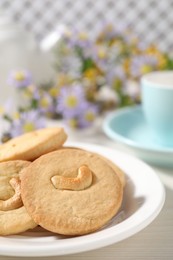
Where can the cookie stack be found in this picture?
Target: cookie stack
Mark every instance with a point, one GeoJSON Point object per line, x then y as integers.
{"type": "Point", "coordinates": [65, 190]}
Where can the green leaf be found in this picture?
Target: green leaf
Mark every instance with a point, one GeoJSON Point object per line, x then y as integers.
{"type": "Point", "coordinates": [7, 118]}
{"type": "Point", "coordinates": [126, 101]}
{"type": "Point", "coordinates": [169, 64]}
{"type": "Point", "coordinates": [87, 64]}
{"type": "Point", "coordinates": [34, 103]}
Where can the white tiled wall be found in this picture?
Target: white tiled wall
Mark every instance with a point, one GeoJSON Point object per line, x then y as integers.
{"type": "Point", "coordinates": [151, 19]}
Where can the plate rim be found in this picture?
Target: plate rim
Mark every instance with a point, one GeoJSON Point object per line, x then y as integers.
{"type": "Point", "coordinates": [120, 138]}
{"type": "Point", "coordinates": [52, 250]}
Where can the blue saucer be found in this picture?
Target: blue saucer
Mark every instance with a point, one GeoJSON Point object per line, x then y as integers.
{"type": "Point", "coordinates": [129, 127]}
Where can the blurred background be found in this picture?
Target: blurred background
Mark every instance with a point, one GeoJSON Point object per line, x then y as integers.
{"type": "Point", "coordinates": [151, 19]}
{"type": "Point", "coordinates": [51, 51]}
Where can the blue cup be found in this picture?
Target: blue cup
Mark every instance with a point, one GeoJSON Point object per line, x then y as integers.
{"type": "Point", "coordinates": [157, 104]}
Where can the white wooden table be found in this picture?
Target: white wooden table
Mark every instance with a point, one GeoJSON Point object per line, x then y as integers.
{"type": "Point", "coordinates": [153, 243]}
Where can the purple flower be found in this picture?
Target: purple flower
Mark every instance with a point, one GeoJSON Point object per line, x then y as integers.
{"type": "Point", "coordinates": [100, 56]}
{"type": "Point", "coordinates": [8, 108]}
{"type": "Point", "coordinates": [32, 92]}
{"type": "Point", "coordinates": [19, 78]}
{"type": "Point", "coordinates": [45, 102]}
{"type": "Point", "coordinates": [88, 116]}
{"type": "Point", "coordinates": [116, 76]}
{"type": "Point", "coordinates": [142, 64]}
{"type": "Point", "coordinates": [108, 32]}
{"type": "Point", "coordinates": [71, 101]}
{"type": "Point", "coordinates": [85, 118]}
{"type": "Point", "coordinates": [27, 121]}
{"type": "Point", "coordinates": [74, 107]}
{"type": "Point", "coordinates": [81, 41]}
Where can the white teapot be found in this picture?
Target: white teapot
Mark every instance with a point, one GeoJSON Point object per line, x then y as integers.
{"type": "Point", "coordinates": [19, 50]}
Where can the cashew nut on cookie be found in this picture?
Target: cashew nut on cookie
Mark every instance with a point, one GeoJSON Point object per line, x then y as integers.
{"type": "Point", "coordinates": [15, 201]}
{"type": "Point", "coordinates": [81, 182]}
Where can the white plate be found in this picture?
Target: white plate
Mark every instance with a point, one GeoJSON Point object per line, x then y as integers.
{"type": "Point", "coordinates": [144, 197]}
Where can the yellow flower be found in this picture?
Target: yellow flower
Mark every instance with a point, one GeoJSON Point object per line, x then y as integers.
{"type": "Point", "coordinates": [92, 74]}
{"type": "Point", "coordinates": [162, 61]}
{"type": "Point", "coordinates": [63, 80]}
{"type": "Point", "coordinates": [71, 101]}
{"type": "Point", "coordinates": [28, 127]}
{"type": "Point", "coordinates": [145, 69]}
{"type": "Point", "coordinates": [83, 36]}
{"type": "Point", "coordinates": [44, 103]}
{"type": "Point", "coordinates": [152, 49]}
{"type": "Point", "coordinates": [102, 53]}
{"type": "Point", "coordinates": [28, 92]}
{"type": "Point", "coordinates": [1, 110]}
{"type": "Point", "coordinates": [73, 123]}
{"type": "Point", "coordinates": [16, 115]}
{"type": "Point", "coordinates": [19, 76]}
{"type": "Point", "coordinates": [89, 116]}
{"type": "Point", "coordinates": [126, 66]}
{"type": "Point", "coordinates": [54, 91]}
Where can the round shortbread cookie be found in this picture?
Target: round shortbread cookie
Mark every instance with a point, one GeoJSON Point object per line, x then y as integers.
{"type": "Point", "coordinates": [118, 171]}
{"type": "Point", "coordinates": [9, 170]}
{"type": "Point", "coordinates": [13, 215]}
{"type": "Point", "coordinates": [71, 191]}
{"type": "Point", "coordinates": [15, 221]}
{"type": "Point", "coordinates": [30, 146]}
